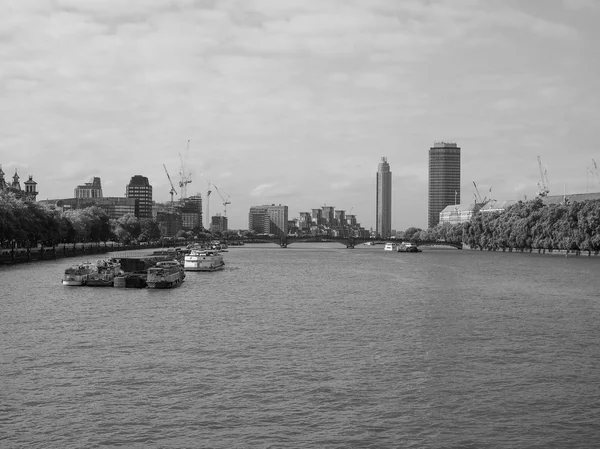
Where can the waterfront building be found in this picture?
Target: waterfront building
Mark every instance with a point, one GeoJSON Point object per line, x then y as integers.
{"type": "Point", "coordinates": [304, 221]}
{"type": "Point", "coordinates": [458, 213]}
{"type": "Point", "coordinates": [116, 207]}
{"type": "Point", "coordinates": [444, 179]}
{"type": "Point", "coordinates": [268, 219]}
{"type": "Point", "coordinates": [328, 215]}
{"type": "Point", "coordinates": [317, 216]}
{"type": "Point", "coordinates": [218, 223]}
{"type": "Point", "coordinates": [340, 218]}
{"type": "Point", "coordinates": [92, 189]}
{"type": "Point", "coordinates": [190, 210]}
{"type": "Point", "coordinates": [383, 214]}
{"type": "Point", "coordinates": [30, 191]}
{"type": "Point", "coordinates": [258, 220]}
{"type": "Point", "coordinates": [139, 187]}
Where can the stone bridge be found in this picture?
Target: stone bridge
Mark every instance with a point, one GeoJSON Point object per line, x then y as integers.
{"type": "Point", "coordinates": [350, 242]}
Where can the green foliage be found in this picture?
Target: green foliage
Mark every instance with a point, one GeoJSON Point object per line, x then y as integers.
{"type": "Point", "coordinates": [532, 225]}
{"type": "Point", "coordinates": [28, 223]}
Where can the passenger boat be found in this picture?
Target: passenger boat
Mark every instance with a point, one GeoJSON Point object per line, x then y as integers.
{"type": "Point", "coordinates": [167, 274]}
{"type": "Point", "coordinates": [407, 247]}
{"type": "Point", "coordinates": [104, 273]}
{"type": "Point", "coordinates": [203, 260]}
{"type": "Point", "coordinates": [390, 247]}
{"type": "Point", "coordinates": [77, 275]}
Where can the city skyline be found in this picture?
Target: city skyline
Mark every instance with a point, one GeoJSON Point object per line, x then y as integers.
{"type": "Point", "coordinates": [283, 102]}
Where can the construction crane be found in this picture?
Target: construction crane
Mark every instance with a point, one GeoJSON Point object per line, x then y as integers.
{"type": "Point", "coordinates": [225, 201]}
{"type": "Point", "coordinates": [173, 191]}
{"type": "Point", "coordinates": [596, 170]}
{"type": "Point", "coordinates": [208, 192]}
{"type": "Point", "coordinates": [478, 196]}
{"type": "Point", "coordinates": [543, 188]}
{"type": "Point", "coordinates": [185, 178]}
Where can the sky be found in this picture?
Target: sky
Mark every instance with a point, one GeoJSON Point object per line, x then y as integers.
{"type": "Point", "coordinates": [295, 102]}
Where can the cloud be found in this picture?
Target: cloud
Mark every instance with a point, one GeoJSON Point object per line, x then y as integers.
{"type": "Point", "coordinates": [262, 189]}
{"type": "Point", "coordinates": [293, 96]}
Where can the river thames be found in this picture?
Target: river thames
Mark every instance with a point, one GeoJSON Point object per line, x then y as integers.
{"type": "Point", "coordinates": [312, 346]}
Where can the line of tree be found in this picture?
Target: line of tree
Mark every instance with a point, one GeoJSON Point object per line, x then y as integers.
{"type": "Point", "coordinates": [27, 223]}
{"type": "Point", "coordinates": [524, 226]}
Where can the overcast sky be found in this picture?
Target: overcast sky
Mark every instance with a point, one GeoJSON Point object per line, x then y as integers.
{"type": "Point", "coordinates": [295, 101]}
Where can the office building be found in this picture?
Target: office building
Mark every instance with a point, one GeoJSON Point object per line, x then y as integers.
{"type": "Point", "coordinates": [190, 209]}
{"type": "Point", "coordinates": [317, 216]}
{"type": "Point", "coordinates": [383, 218]}
{"type": "Point", "coordinates": [444, 179]}
{"type": "Point", "coordinates": [258, 220]}
{"type": "Point", "coordinates": [92, 189]}
{"type": "Point", "coordinates": [140, 188]}
{"type": "Point", "coordinates": [268, 219]}
{"type": "Point", "coordinates": [328, 215]}
{"type": "Point", "coordinates": [218, 223]}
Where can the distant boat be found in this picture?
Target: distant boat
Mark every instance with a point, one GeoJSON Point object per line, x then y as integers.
{"type": "Point", "coordinates": [390, 247]}
{"type": "Point", "coordinates": [407, 247]}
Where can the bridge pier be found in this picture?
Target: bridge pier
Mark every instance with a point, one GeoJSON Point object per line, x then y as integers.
{"type": "Point", "coordinates": [283, 242]}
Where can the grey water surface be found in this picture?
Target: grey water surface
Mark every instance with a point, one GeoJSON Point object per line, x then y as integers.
{"type": "Point", "coordinates": [312, 346]}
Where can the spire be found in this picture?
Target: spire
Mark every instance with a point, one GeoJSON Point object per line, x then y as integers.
{"type": "Point", "coordinates": [16, 184]}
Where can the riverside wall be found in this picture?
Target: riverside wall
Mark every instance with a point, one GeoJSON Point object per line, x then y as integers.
{"type": "Point", "coordinates": [39, 254]}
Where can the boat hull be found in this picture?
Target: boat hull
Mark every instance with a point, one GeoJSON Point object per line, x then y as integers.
{"type": "Point", "coordinates": [200, 267]}
{"type": "Point", "coordinates": [73, 282]}
{"type": "Point", "coordinates": [165, 284]}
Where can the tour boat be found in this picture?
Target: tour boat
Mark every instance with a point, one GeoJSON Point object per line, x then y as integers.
{"type": "Point", "coordinates": [104, 273]}
{"type": "Point", "coordinates": [77, 275]}
{"type": "Point", "coordinates": [203, 260]}
{"type": "Point", "coordinates": [167, 274]}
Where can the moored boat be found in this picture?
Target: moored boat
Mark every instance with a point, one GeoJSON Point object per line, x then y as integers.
{"type": "Point", "coordinates": [203, 260]}
{"type": "Point", "coordinates": [77, 275]}
{"type": "Point", "coordinates": [104, 273]}
{"type": "Point", "coordinates": [166, 274]}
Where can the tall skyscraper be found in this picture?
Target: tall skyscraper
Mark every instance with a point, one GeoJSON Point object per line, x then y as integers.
{"type": "Point", "coordinates": [384, 199]}
{"type": "Point", "coordinates": [444, 179]}
{"type": "Point", "coordinates": [139, 187]}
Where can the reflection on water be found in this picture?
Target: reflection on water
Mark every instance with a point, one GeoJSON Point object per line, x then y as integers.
{"type": "Point", "coordinates": [309, 346]}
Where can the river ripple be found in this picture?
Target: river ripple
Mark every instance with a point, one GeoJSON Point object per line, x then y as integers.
{"type": "Point", "coordinates": [310, 346]}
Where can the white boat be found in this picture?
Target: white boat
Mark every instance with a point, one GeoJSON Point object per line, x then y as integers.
{"type": "Point", "coordinates": [77, 275]}
{"type": "Point", "coordinates": [390, 247]}
{"type": "Point", "coordinates": [167, 274]}
{"type": "Point", "coordinates": [407, 247]}
{"type": "Point", "coordinates": [203, 260]}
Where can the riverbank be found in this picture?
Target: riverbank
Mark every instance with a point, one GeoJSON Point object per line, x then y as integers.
{"type": "Point", "coordinates": [39, 254]}
{"type": "Point", "coordinates": [553, 252]}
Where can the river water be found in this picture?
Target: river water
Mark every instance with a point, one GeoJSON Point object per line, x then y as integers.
{"type": "Point", "coordinates": [312, 346]}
